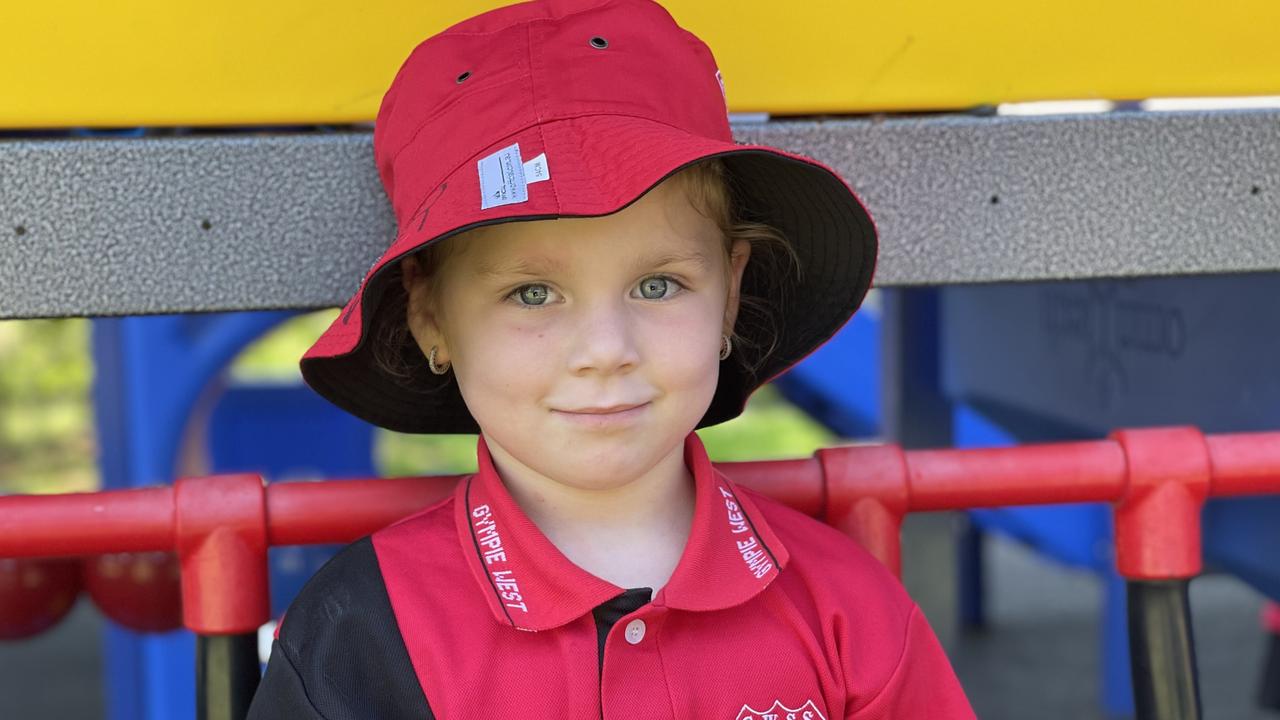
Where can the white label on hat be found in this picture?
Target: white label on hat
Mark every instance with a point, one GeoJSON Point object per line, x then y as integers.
{"type": "Point", "coordinates": [536, 170]}
{"type": "Point", "coordinates": [502, 179]}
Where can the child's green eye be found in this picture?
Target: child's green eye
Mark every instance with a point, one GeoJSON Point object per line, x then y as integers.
{"type": "Point", "coordinates": [658, 287]}
{"type": "Point", "coordinates": [653, 288]}
{"type": "Point", "coordinates": [532, 294]}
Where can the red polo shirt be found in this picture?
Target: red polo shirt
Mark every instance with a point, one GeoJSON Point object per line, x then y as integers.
{"type": "Point", "coordinates": [466, 610]}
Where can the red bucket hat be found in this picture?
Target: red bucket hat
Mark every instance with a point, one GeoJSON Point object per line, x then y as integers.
{"type": "Point", "coordinates": [573, 108]}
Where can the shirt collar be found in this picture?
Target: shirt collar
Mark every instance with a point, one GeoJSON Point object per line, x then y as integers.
{"type": "Point", "coordinates": [731, 554]}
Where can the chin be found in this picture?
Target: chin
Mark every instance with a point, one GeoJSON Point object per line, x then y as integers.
{"type": "Point", "coordinates": [595, 471]}
{"type": "Point", "coordinates": [610, 465]}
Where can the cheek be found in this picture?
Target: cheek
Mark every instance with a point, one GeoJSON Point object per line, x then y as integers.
{"type": "Point", "coordinates": [682, 348]}
{"type": "Point", "coordinates": [502, 362]}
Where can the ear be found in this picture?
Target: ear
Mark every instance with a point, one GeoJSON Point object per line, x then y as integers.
{"type": "Point", "coordinates": [739, 254]}
{"type": "Point", "coordinates": [420, 311]}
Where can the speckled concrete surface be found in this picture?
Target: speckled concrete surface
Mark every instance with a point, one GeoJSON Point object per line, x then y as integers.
{"type": "Point", "coordinates": [169, 224]}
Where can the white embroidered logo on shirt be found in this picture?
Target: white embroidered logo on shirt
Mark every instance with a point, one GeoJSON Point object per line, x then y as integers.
{"type": "Point", "coordinates": [758, 562]}
{"type": "Point", "coordinates": [485, 533]}
{"type": "Point", "coordinates": [778, 711]}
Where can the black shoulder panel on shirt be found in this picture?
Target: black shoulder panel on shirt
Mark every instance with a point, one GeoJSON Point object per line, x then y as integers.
{"type": "Point", "coordinates": [339, 654]}
{"type": "Point", "coordinates": [281, 694]}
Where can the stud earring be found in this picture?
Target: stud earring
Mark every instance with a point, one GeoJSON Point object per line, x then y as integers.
{"type": "Point", "coordinates": [431, 363]}
{"type": "Point", "coordinates": [725, 347]}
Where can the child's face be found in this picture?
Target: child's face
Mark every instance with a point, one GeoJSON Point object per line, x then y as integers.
{"type": "Point", "coordinates": [543, 320]}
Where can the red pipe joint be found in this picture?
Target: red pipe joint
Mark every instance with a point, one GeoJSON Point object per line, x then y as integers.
{"type": "Point", "coordinates": [221, 534]}
{"type": "Point", "coordinates": [1271, 617]}
{"type": "Point", "coordinates": [1157, 519]}
{"type": "Point", "coordinates": [868, 490]}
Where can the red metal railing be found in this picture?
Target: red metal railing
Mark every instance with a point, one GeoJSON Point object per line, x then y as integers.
{"type": "Point", "coordinates": [1157, 479]}
{"type": "Point", "coordinates": [221, 526]}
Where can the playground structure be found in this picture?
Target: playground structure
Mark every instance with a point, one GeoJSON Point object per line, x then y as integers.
{"type": "Point", "coordinates": [959, 199]}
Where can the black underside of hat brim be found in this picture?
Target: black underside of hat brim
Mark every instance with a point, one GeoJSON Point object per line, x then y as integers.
{"type": "Point", "coordinates": [827, 226]}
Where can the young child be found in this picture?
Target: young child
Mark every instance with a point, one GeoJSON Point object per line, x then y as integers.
{"type": "Point", "coordinates": [587, 269]}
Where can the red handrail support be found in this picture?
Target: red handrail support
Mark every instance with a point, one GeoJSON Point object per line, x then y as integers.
{"type": "Point", "coordinates": [1157, 519]}
{"type": "Point", "coordinates": [220, 528]}
{"type": "Point", "coordinates": [868, 491]}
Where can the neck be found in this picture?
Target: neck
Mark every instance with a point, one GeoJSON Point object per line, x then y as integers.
{"type": "Point", "coordinates": [631, 534]}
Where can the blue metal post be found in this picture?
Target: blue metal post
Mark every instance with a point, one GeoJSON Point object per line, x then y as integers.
{"type": "Point", "coordinates": [150, 372]}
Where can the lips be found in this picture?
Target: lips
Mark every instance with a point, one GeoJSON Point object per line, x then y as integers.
{"type": "Point", "coordinates": [605, 418]}
{"type": "Point", "coordinates": [604, 410]}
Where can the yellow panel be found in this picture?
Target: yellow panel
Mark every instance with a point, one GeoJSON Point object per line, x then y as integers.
{"type": "Point", "coordinates": [160, 62]}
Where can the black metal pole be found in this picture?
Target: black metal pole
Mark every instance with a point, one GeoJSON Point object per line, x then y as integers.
{"type": "Point", "coordinates": [1269, 688]}
{"type": "Point", "coordinates": [227, 675]}
{"type": "Point", "coordinates": [1165, 681]}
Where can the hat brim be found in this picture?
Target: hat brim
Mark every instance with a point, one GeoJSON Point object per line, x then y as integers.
{"type": "Point", "coordinates": [600, 164]}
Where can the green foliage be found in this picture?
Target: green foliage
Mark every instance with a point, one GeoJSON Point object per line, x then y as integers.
{"type": "Point", "coordinates": [401, 454]}
{"type": "Point", "coordinates": [46, 425]}
{"type": "Point", "coordinates": [275, 356]}
{"type": "Point", "coordinates": [769, 429]}
{"type": "Point", "coordinates": [43, 359]}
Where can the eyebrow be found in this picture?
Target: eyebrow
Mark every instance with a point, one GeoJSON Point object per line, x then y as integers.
{"type": "Point", "coordinates": [678, 258]}
{"type": "Point", "coordinates": [531, 267]}
{"type": "Point", "coordinates": [541, 266]}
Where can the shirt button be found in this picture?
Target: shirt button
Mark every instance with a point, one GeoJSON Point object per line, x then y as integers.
{"type": "Point", "coordinates": [635, 631]}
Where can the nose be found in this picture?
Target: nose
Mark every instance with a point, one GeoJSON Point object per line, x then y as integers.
{"type": "Point", "coordinates": [605, 341]}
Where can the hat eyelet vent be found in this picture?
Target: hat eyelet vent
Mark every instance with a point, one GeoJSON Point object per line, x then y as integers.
{"type": "Point", "coordinates": [463, 76]}
{"type": "Point", "coordinates": [599, 43]}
